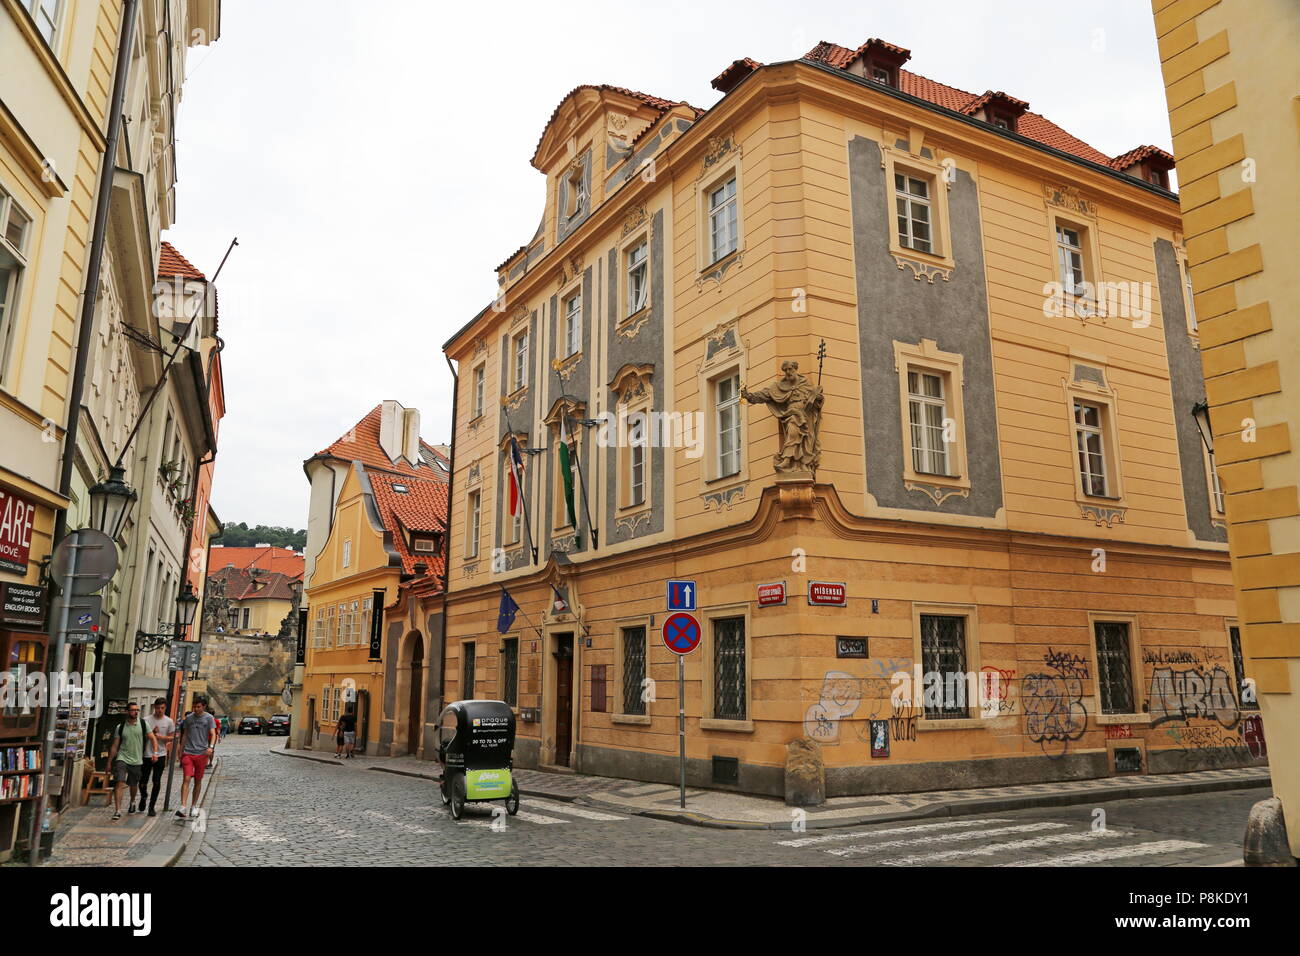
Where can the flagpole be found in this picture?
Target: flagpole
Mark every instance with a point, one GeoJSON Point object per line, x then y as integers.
{"type": "Point", "coordinates": [523, 498]}
{"type": "Point", "coordinates": [582, 480]}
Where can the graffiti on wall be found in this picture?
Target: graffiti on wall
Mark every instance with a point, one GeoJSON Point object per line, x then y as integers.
{"type": "Point", "coordinates": [1066, 663]}
{"type": "Point", "coordinates": [841, 695]}
{"type": "Point", "coordinates": [1054, 711]}
{"type": "Point", "coordinates": [1193, 692]}
{"type": "Point", "coordinates": [996, 699]}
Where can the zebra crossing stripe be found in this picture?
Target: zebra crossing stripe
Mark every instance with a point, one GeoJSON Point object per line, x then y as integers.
{"type": "Point", "coordinates": [945, 838]}
{"type": "Point", "coordinates": [833, 837]}
{"type": "Point", "coordinates": [1055, 839]}
{"type": "Point", "coordinates": [570, 809]}
{"type": "Point", "coordinates": [1106, 854]}
{"type": "Point", "coordinates": [539, 818]}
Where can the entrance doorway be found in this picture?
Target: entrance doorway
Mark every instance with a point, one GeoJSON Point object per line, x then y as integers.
{"type": "Point", "coordinates": [563, 655]}
{"type": "Point", "coordinates": [312, 729]}
{"type": "Point", "coordinates": [416, 712]}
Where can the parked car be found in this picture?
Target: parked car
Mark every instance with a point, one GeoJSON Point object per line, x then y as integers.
{"type": "Point", "coordinates": [278, 724]}
{"type": "Point", "coordinates": [252, 725]}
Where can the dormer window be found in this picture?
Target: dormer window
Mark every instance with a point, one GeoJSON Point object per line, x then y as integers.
{"type": "Point", "coordinates": [1001, 122]}
{"type": "Point", "coordinates": [424, 545]}
{"type": "Point", "coordinates": [400, 489]}
{"type": "Point", "coordinates": [575, 192]}
{"type": "Point", "coordinates": [882, 75]}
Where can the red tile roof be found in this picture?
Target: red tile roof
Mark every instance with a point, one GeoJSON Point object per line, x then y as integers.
{"type": "Point", "coordinates": [172, 263]}
{"type": "Point", "coordinates": [281, 560]}
{"type": "Point", "coordinates": [1031, 125]}
{"type": "Point", "coordinates": [361, 443]}
{"type": "Point", "coordinates": [1125, 160]}
{"type": "Point", "coordinates": [421, 507]}
{"type": "Point", "coordinates": [243, 585]}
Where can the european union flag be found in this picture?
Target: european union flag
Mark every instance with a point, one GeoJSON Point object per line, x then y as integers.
{"type": "Point", "coordinates": [506, 616]}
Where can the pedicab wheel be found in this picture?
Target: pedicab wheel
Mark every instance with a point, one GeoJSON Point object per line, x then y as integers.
{"type": "Point", "coordinates": [442, 791]}
{"type": "Point", "coordinates": [458, 798]}
{"type": "Point", "coordinates": [512, 801]}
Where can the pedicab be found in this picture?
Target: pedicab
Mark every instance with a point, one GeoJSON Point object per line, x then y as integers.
{"type": "Point", "coordinates": [476, 740]}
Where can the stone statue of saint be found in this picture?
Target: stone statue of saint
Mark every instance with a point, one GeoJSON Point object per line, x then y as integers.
{"type": "Point", "coordinates": [797, 404]}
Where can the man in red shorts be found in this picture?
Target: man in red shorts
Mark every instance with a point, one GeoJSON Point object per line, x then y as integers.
{"type": "Point", "coordinates": [198, 738]}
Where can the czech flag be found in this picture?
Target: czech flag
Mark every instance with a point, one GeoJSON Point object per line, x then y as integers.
{"type": "Point", "coordinates": [516, 477]}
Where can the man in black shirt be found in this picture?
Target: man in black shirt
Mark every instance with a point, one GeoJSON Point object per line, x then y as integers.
{"type": "Point", "coordinates": [347, 733]}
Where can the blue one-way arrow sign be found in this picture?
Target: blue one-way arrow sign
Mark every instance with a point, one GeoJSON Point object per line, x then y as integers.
{"type": "Point", "coordinates": [681, 595]}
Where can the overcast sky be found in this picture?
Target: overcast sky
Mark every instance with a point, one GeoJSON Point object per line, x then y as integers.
{"type": "Point", "coordinates": [372, 158]}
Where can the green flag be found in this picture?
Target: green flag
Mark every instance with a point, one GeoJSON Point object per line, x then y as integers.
{"type": "Point", "coordinates": [566, 473]}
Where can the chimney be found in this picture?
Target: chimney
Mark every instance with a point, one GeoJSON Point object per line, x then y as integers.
{"type": "Point", "coordinates": [391, 421]}
{"type": "Point", "coordinates": [411, 436]}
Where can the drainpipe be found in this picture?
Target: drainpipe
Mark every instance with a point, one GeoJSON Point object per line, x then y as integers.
{"type": "Point", "coordinates": [78, 385]}
{"type": "Point", "coordinates": [446, 538]}
{"type": "Point", "coordinates": [95, 261]}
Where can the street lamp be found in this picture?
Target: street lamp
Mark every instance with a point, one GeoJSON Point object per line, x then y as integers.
{"type": "Point", "coordinates": [111, 502]}
{"type": "Point", "coordinates": [187, 603]}
{"type": "Point", "coordinates": [1201, 414]}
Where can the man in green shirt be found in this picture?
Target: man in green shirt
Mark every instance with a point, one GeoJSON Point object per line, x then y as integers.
{"type": "Point", "coordinates": [126, 757]}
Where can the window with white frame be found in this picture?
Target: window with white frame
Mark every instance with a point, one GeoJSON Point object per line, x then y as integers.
{"type": "Point", "coordinates": [480, 378]}
{"type": "Point", "coordinates": [726, 418]}
{"type": "Point", "coordinates": [1090, 443]}
{"type": "Point", "coordinates": [347, 553]}
{"type": "Point", "coordinates": [575, 192]}
{"type": "Point", "coordinates": [367, 611]}
{"type": "Point", "coordinates": [521, 360]}
{"type": "Point", "coordinates": [637, 439]}
{"type": "Point", "coordinates": [1189, 300]}
{"type": "Point", "coordinates": [723, 233]}
{"type": "Point", "coordinates": [318, 628]}
{"type": "Point", "coordinates": [1069, 257]}
{"type": "Point", "coordinates": [13, 240]}
{"type": "Point", "coordinates": [46, 15]}
{"type": "Point", "coordinates": [638, 272]}
{"type": "Point", "coordinates": [330, 618]}
{"type": "Point", "coordinates": [347, 623]}
{"type": "Point", "coordinates": [473, 524]}
{"type": "Point", "coordinates": [927, 411]}
{"type": "Point", "coordinates": [572, 324]}
{"type": "Point", "coordinates": [912, 204]}
{"type": "Point", "coordinates": [247, 617]}
{"type": "Point", "coordinates": [1216, 489]}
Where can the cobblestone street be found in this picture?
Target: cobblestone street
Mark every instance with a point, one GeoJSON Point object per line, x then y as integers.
{"type": "Point", "coordinates": [268, 809]}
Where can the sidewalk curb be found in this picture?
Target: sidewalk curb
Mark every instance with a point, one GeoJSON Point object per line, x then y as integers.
{"type": "Point", "coordinates": [167, 854]}
{"type": "Point", "coordinates": [955, 809]}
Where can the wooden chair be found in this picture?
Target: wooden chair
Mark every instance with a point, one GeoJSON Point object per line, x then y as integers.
{"type": "Point", "coordinates": [97, 782]}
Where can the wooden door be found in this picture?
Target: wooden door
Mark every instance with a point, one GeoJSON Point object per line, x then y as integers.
{"type": "Point", "coordinates": [312, 729]}
{"type": "Point", "coordinates": [563, 698]}
{"type": "Point", "coordinates": [417, 693]}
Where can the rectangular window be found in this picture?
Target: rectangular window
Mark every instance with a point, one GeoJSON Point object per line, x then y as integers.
{"type": "Point", "coordinates": [1090, 443]}
{"type": "Point", "coordinates": [318, 628]}
{"type": "Point", "coordinates": [510, 671]}
{"type": "Point", "coordinates": [234, 619]}
{"type": "Point", "coordinates": [1216, 489]}
{"type": "Point", "coordinates": [729, 669]}
{"type": "Point", "coordinates": [1069, 257]}
{"type": "Point", "coordinates": [347, 553]}
{"type": "Point", "coordinates": [634, 670]}
{"type": "Point", "coordinates": [14, 225]}
{"type": "Point", "coordinates": [521, 361]}
{"type": "Point", "coordinates": [329, 626]}
{"type": "Point", "coordinates": [637, 441]}
{"type": "Point", "coordinates": [1190, 301]}
{"type": "Point", "coordinates": [514, 523]}
{"type": "Point", "coordinates": [723, 234]}
{"type": "Point", "coordinates": [638, 286]}
{"type": "Point", "coordinates": [726, 398]}
{"type": "Point", "coordinates": [480, 378]}
{"type": "Point", "coordinates": [1245, 692]}
{"type": "Point", "coordinates": [46, 15]}
{"type": "Point", "coordinates": [467, 651]}
{"type": "Point", "coordinates": [599, 689]}
{"type": "Point", "coordinates": [473, 524]}
{"type": "Point", "coordinates": [1114, 667]}
{"type": "Point", "coordinates": [575, 194]}
{"type": "Point", "coordinates": [363, 630]}
{"type": "Point", "coordinates": [943, 652]}
{"type": "Point", "coordinates": [927, 410]}
{"type": "Point", "coordinates": [246, 617]}
{"type": "Point", "coordinates": [912, 203]}
{"type": "Point", "coordinates": [572, 325]}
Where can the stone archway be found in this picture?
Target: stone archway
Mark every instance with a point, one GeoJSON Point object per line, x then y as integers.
{"type": "Point", "coordinates": [410, 695]}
